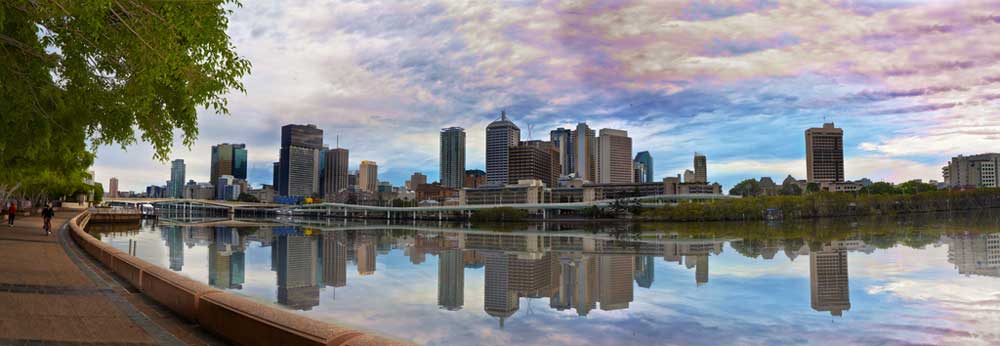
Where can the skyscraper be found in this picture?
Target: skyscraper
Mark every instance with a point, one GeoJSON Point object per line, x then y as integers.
{"type": "Point", "coordinates": [452, 157]}
{"type": "Point", "coordinates": [700, 168]}
{"type": "Point", "coordinates": [825, 154]}
{"type": "Point", "coordinates": [321, 170]}
{"type": "Point", "coordinates": [240, 161]}
{"type": "Point", "coordinates": [562, 139]}
{"type": "Point", "coordinates": [500, 136]}
{"type": "Point", "coordinates": [228, 159]}
{"type": "Point", "coordinates": [368, 176]}
{"type": "Point", "coordinates": [276, 176]}
{"type": "Point", "coordinates": [614, 157]}
{"type": "Point", "coordinates": [451, 280]}
{"type": "Point", "coordinates": [113, 187]}
{"type": "Point", "coordinates": [177, 172]}
{"type": "Point", "coordinates": [646, 160]}
{"type": "Point", "coordinates": [336, 171]}
{"type": "Point", "coordinates": [585, 151]}
{"type": "Point", "coordinates": [300, 146]}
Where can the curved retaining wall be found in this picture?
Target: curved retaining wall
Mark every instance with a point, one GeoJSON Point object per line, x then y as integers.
{"type": "Point", "coordinates": [237, 319]}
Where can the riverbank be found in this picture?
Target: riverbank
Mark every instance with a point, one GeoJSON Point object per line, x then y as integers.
{"type": "Point", "coordinates": [824, 204]}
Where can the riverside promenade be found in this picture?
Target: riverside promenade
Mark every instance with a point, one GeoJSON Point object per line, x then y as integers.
{"type": "Point", "coordinates": [51, 293]}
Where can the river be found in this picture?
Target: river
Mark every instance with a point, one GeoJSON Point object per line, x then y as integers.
{"type": "Point", "coordinates": [932, 279]}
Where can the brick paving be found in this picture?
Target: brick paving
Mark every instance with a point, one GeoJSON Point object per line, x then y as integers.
{"type": "Point", "coordinates": [51, 293]}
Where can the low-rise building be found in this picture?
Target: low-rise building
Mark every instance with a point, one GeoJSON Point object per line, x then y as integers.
{"type": "Point", "coordinates": [193, 190]}
{"type": "Point", "coordinates": [524, 192]}
{"type": "Point", "coordinates": [435, 191]}
{"type": "Point", "coordinates": [474, 178]}
{"type": "Point", "coordinates": [264, 194]}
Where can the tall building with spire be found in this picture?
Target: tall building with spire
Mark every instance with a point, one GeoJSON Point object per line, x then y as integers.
{"type": "Point", "coordinates": [452, 157]}
{"type": "Point", "coordinates": [500, 136]}
{"type": "Point", "coordinates": [335, 173]}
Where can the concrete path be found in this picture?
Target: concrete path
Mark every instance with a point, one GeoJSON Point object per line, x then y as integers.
{"type": "Point", "coordinates": [52, 293]}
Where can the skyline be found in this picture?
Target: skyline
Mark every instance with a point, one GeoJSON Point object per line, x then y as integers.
{"type": "Point", "coordinates": [878, 72]}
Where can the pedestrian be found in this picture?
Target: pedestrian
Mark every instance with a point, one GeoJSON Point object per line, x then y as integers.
{"type": "Point", "coordinates": [47, 215]}
{"type": "Point", "coordinates": [10, 214]}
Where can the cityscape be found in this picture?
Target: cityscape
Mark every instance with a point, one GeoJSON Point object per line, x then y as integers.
{"type": "Point", "coordinates": [565, 169]}
{"type": "Point", "coordinates": [553, 173]}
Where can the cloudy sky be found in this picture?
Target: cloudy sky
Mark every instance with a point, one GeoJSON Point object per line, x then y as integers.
{"type": "Point", "coordinates": [912, 83]}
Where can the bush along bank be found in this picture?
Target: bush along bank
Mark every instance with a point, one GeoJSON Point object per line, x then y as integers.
{"type": "Point", "coordinates": [825, 204]}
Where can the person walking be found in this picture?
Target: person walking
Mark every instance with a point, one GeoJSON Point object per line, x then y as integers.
{"type": "Point", "coordinates": [47, 215]}
{"type": "Point", "coordinates": [10, 214]}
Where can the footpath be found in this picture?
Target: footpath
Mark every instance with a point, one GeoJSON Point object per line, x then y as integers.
{"type": "Point", "coordinates": [52, 293]}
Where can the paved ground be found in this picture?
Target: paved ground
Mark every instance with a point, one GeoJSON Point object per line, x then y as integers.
{"type": "Point", "coordinates": [52, 293]}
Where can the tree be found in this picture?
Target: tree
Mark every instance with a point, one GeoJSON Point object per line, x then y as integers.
{"type": "Point", "coordinates": [246, 197]}
{"type": "Point", "coordinates": [879, 188]}
{"type": "Point", "coordinates": [812, 187]}
{"type": "Point", "coordinates": [747, 188]}
{"type": "Point", "coordinates": [791, 190]}
{"type": "Point", "coordinates": [80, 74]}
{"type": "Point", "coordinates": [915, 186]}
{"type": "Point", "coordinates": [98, 193]}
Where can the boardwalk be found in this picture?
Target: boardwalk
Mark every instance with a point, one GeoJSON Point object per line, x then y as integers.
{"type": "Point", "coordinates": [52, 293]}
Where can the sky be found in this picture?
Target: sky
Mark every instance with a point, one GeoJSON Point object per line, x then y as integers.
{"type": "Point", "coordinates": [912, 83]}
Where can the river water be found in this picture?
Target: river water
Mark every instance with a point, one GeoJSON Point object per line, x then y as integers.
{"type": "Point", "coordinates": [930, 280]}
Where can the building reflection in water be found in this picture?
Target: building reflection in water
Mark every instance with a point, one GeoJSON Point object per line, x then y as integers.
{"type": "Point", "coordinates": [574, 272]}
{"type": "Point", "coordinates": [297, 267]}
{"type": "Point", "coordinates": [226, 260]}
{"type": "Point", "coordinates": [975, 254]}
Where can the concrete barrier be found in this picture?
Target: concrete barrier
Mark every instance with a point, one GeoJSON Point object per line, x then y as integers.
{"type": "Point", "coordinates": [237, 319]}
{"type": "Point", "coordinates": [179, 294]}
{"type": "Point", "coordinates": [129, 268]}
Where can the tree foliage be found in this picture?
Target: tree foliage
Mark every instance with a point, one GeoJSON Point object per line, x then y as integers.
{"type": "Point", "coordinates": [828, 204]}
{"type": "Point", "coordinates": [747, 188]}
{"type": "Point", "coordinates": [80, 74]}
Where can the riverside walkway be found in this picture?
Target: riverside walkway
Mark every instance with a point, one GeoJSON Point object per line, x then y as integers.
{"type": "Point", "coordinates": [51, 293]}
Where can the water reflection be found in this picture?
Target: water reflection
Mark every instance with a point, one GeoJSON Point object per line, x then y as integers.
{"type": "Point", "coordinates": [572, 270]}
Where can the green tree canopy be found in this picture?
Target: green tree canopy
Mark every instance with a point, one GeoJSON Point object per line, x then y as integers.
{"type": "Point", "coordinates": [747, 188]}
{"type": "Point", "coordinates": [915, 186]}
{"type": "Point", "coordinates": [791, 190]}
{"type": "Point", "coordinates": [80, 74]}
{"type": "Point", "coordinates": [880, 188]}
